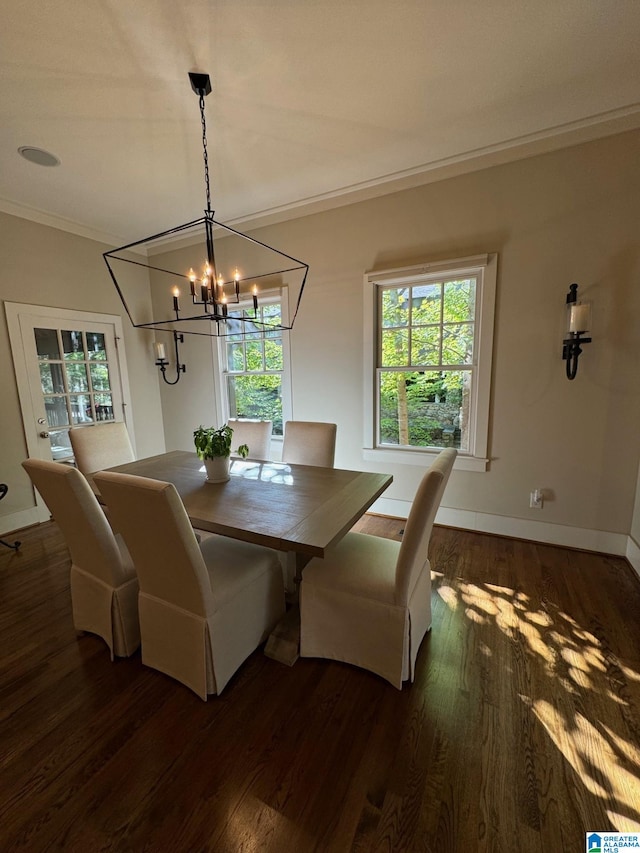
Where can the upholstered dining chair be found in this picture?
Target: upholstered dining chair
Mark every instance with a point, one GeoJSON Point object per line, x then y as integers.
{"type": "Point", "coordinates": [255, 434]}
{"type": "Point", "coordinates": [101, 446]}
{"type": "Point", "coordinates": [204, 608]}
{"type": "Point", "coordinates": [104, 586]}
{"type": "Point", "coordinates": [368, 602]}
{"type": "Point", "coordinates": [309, 443]}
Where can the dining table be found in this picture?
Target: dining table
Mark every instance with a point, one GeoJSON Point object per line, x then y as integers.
{"type": "Point", "coordinates": [300, 510]}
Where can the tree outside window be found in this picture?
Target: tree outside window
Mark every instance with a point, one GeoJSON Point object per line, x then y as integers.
{"type": "Point", "coordinates": [254, 366]}
{"type": "Point", "coordinates": [425, 369]}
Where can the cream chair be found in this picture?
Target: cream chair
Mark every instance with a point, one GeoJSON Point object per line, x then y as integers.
{"type": "Point", "coordinates": [309, 443]}
{"type": "Point", "coordinates": [255, 434]}
{"type": "Point", "coordinates": [102, 446]}
{"type": "Point", "coordinates": [104, 586]}
{"type": "Point", "coordinates": [368, 602]}
{"type": "Point", "coordinates": [203, 608]}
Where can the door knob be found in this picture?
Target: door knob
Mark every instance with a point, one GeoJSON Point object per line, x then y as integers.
{"type": "Point", "coordinates": [44, 435]}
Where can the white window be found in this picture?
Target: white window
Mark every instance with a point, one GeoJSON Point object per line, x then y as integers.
{"type": "Point", "coordinates": [253, 368]}
{"type": "Point", "coordinates": [428, 346]}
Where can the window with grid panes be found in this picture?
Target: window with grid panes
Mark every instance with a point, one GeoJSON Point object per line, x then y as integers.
{"type": "Point", "coordinates": [74, 374]}
{"type": "Point", "coordinates": [253, 364]}
{"type": "Point", "coordinates": [433, 328]}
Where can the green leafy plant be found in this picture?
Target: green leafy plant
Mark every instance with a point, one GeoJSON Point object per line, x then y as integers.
{"type": "Point", "coordinates": [211, 442]}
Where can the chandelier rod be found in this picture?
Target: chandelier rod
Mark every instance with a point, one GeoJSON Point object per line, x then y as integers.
{"type": "Point", "coordinates": [205, 154]}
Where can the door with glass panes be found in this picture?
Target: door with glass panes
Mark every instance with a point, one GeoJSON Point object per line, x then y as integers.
{"type": "Point", "coordinates": [76, 381]}
{"type": "Point", "coordinates": [70, 373]}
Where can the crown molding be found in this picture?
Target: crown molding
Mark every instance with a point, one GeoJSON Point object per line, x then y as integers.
{"type": "Point", "coordinates": [518, 148]}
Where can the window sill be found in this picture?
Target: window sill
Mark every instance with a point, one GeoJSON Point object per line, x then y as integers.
{"type": "Point", "coordinates": [422, 458]}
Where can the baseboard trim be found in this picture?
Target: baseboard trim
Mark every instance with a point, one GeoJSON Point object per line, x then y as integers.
{"type": "Point", "coordinates": [633, 554]}
{"type": "Point", "coordinates": [521, 528]}
{"type": "Point", "coordinates": [618, 544]}
{"type": "Point", "coordinates": [16, 521]}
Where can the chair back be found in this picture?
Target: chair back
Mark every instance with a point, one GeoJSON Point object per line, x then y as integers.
{"type": "Point", "coordinates": [102, 446]}
{"type": "Point", "coordinates": [75, 508]}
{"type": "Point", "coordinates": [309, 443]}
{"type": "Point", "coordinates": [255, 434]}
{"type": "Point", "coordinates": [417, 532]}
{"type": "Point", "coordinates": [156, 529]}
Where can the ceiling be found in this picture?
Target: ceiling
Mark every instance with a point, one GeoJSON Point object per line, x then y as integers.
{"type": "Point", "coordinates": [315, 102]}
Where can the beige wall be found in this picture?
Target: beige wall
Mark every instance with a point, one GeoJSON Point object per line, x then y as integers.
{"type": "Point", "coordinates": [44, 266]}
{"type": "Point", "coordinates": [566, 216]}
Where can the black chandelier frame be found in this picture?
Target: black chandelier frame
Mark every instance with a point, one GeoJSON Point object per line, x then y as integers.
{"type": "Point", "coordinates": [213, 294]}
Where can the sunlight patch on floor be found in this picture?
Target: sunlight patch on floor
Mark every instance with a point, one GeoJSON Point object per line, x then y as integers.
{"type": "Point", "coordinates": [586, 748]}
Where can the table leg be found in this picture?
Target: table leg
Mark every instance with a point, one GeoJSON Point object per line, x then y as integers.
{"type": "Point", "coordinates": [283, 644]}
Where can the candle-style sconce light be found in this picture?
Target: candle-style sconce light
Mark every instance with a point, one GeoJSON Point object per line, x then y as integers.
{"type": "Point", "coordinates": [161, 357]}
{"type": "Point", "coordinates": [578, 325]}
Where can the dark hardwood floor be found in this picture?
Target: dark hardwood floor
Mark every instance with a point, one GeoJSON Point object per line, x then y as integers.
{"type": "Point", "coordinates": [520, 733]}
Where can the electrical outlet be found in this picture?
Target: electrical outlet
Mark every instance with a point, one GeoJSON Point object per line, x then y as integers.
{"type": "Point", "coordinates": [536, 499]}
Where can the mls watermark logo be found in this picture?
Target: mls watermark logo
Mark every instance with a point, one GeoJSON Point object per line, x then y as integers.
{"type": "Point", "coordinates": [611, 842]}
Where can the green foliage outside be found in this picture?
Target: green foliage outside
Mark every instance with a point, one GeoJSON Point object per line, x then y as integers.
{"type": "Point", "coordinates": [65, 376]}
{"type": "Point", "coordinates": [253, 392]}
{"type": "Point", "coordinates": [426, 351]}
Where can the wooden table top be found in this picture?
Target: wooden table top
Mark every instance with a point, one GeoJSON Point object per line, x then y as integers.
{"type": "Point", "coordinates": [297, 508]}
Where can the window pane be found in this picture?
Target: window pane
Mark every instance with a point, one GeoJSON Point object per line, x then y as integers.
{"type": "Point", "coordinates": [460, 300]}
{"type": "Point", "coordinates": [56, 410]}
{"type": "Point", "coordinates": [255, 357]}
{"type": "Point", "coordinates": [96, 346]}
{"type": "Point", "coordinates": [77, 377]}
{"type": "Point", "coordinates": [457, 343]}
{"type": "Point", "coordinates": [395, 348]}
{"type": "Point", "coordinates": [51, 378]}
{"type": "Point", "coordinates": [235, 356]}
{"type": "Point", "coordinates": [251, 331]}
{"type": "Point", "coordinates": [60, 445]}
{"type": "Point", "coordinates": [425, 345]}
{"type": "Point", "coordinates": [272, 314]}
{"type": "Point", "coordinates": [256, 397]}
{"type": "Point", "coordinates": [424, 409]}
{"type": "Point", "coordinates": [425, 304]}
{"type": "Point", "coordinates": [234, 326]}
{"type": "Point", "coordinates": [104, 407]}
{"type": "Point", "coordinates": [100, 377]}
{"type": "Point", "coordinates": [72, 345]}
{"type": "Point", "coordinates": [81, 411]}
{"type": "Point", "coordinates": [395, 307]}
{"type": "Point", "coordinates": [273, 354]}
{"type": "Point", "coordinates": [47, 343]}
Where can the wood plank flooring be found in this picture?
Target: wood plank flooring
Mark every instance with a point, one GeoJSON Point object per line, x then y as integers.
{"type": "Point", "coordinates": [520, 733]}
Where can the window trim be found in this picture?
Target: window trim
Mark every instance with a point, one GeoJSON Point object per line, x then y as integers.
{"type": "Point", "coordinates": [485, 267]}
{"type": "Point", "coordinates": [220, 372]}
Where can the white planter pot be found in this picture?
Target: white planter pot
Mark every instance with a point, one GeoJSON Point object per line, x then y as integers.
{"type": "Point", "coordinates": [217, 469]}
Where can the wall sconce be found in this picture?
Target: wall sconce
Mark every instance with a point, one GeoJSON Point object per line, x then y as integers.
{"type": "Point", "coordinates": [578, 324]}
{"type": "Point", "coordinates": [162, 361]}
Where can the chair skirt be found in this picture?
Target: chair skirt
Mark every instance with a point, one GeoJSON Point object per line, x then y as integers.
{"type": "Point", "coordinates": [363, 626]}
{"type": "Point", "coordinates": [203, 652]}
{"type": "Point", "coordinates": [110, 613]}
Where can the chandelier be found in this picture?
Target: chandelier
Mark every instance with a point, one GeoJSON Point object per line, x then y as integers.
{"type": "Point", "coordinates": [206, 289]}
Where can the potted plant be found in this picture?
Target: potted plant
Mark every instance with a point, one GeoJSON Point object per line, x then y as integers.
{"type": "Point", "coordinates": [213, 446]}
